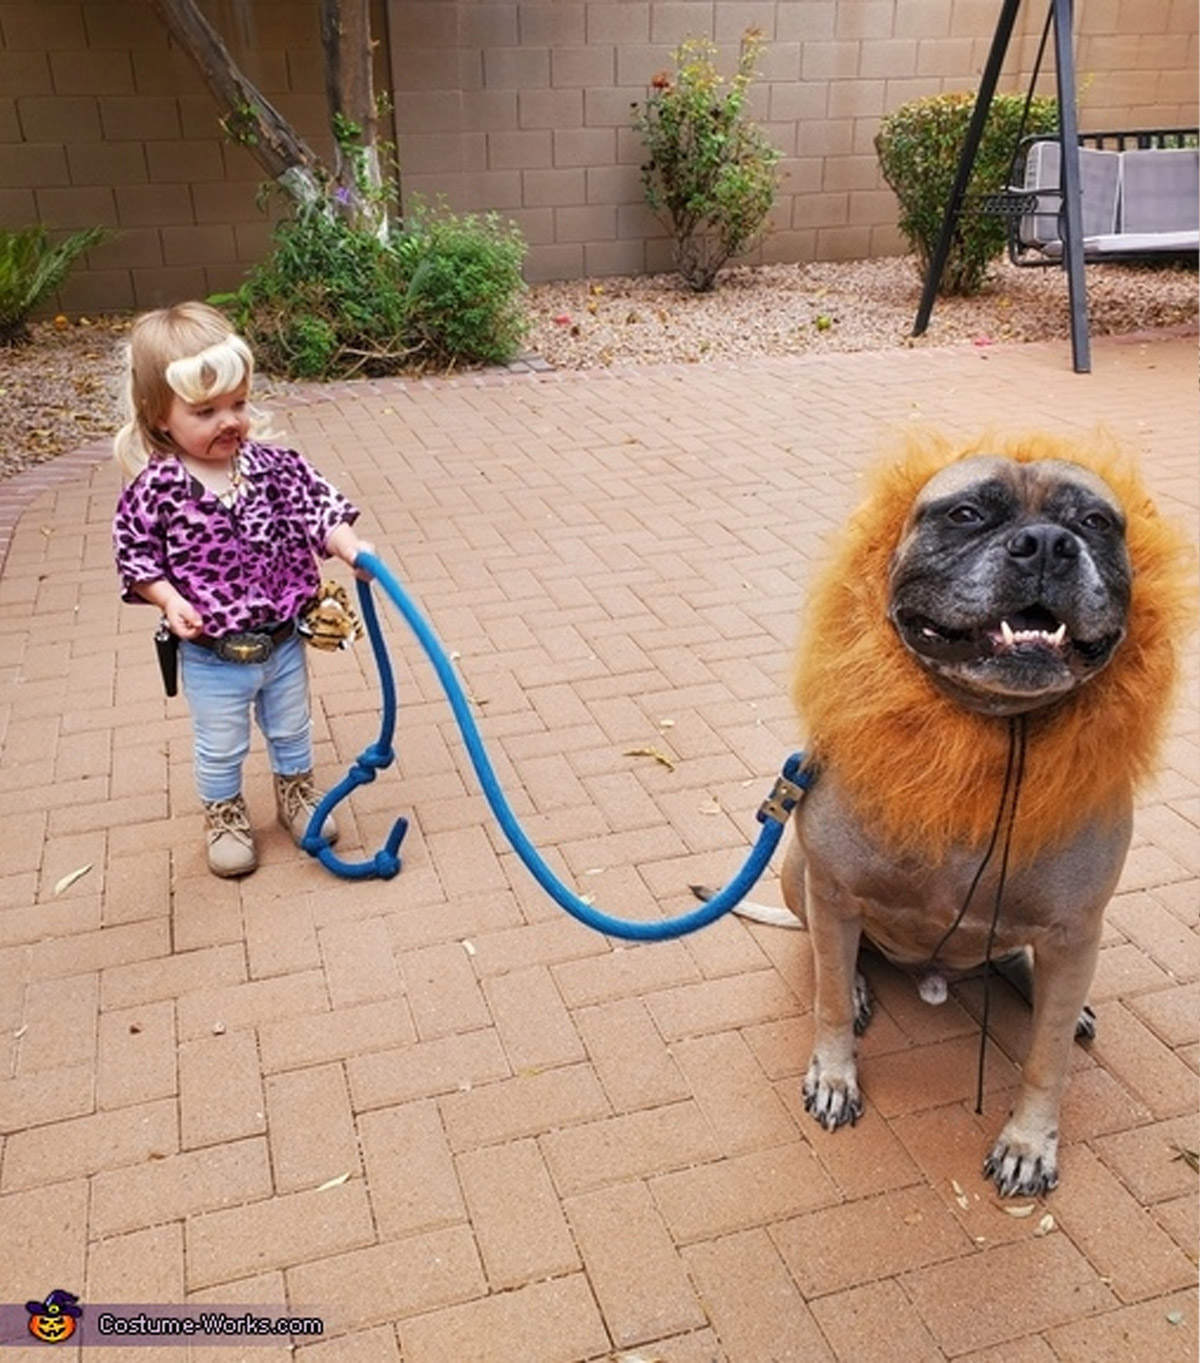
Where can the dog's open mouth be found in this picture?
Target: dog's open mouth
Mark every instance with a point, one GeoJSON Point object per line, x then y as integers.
{"type": "Point", "coordinates": [1023, 635]}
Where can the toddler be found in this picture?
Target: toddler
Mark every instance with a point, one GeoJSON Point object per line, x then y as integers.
{"type": "Point", "coordinates": [220, 530]}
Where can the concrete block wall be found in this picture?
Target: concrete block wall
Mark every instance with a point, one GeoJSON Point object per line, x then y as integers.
{"type": "Point", "coordinates": [516, 106]}
{"type": "Point", "coordinates": [525, 108]}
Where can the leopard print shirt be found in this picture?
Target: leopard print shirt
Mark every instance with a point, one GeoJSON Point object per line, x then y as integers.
{"type": "Point", "coordinates": [242, 566]}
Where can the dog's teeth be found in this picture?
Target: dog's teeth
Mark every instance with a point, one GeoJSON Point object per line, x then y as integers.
{"type": "Point", "coordinates": [1006, 634]}
{"type": "Point", "coordinates": [1058, 638]}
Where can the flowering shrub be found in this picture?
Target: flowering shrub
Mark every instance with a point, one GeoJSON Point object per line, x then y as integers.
{"type": "Point", "coordinates": [711, 176]}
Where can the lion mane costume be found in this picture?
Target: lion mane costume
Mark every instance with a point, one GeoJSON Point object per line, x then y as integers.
{"type": "Point", "coordinates": [926, 773]}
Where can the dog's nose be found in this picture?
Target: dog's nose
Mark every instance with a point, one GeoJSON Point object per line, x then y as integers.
{"type": "Point", "coordinates": [1044, 545]}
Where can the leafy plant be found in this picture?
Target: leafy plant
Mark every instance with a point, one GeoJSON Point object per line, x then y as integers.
{"type": "Point", "coordinates": [464, 285]}
{"type": "Point", "coordinates": [711, 177]}
{"type": "Point", "coordinates": [919, 146]}
{"type": "Point", "coordinates": [336, 297]}
{"type": "Point", "coordinates": [31, 268]}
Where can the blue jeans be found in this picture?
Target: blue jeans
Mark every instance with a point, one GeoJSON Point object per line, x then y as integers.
{"type": "Point", "coordinates": [221, 697]}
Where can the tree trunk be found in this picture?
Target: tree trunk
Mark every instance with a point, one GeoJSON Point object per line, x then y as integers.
{"type": "Point", "coordinates": [350, 90]}
{"type": "Point", "coordinates": [250, 119]}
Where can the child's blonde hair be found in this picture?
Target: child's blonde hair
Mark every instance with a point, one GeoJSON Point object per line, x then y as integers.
{"type": "Point", "coordinates": [188, 351]}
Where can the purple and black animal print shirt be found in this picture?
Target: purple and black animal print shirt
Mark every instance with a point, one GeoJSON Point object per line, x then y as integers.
{"type": "Point", "coordinates": [242, 566]}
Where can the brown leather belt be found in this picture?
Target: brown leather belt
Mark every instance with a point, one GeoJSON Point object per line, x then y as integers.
{"type": "Point", "coordinates": [247, 646]}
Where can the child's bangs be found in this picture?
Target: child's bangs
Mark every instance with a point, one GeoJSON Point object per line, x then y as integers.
{"type": "Point", "coordinates": [218, 369]}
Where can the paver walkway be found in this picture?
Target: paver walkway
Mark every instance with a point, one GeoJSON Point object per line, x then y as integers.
{"type": "Point", "coordinates": [436, 1111]}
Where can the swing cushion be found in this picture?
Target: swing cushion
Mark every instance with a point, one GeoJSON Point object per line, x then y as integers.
{"type": "Point", "coordinates": [1100, 183]}
{"type": "Point", "coordinates": [1135, 202]}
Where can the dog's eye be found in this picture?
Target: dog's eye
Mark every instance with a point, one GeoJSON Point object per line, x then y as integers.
{"type": "Point", "coordinates": [1096, 520]}
{"type": "Point", "coordinates": [964, 514]}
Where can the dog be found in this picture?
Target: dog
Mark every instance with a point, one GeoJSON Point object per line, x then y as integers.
{"type": "Point", "coordinates": [985, 672]}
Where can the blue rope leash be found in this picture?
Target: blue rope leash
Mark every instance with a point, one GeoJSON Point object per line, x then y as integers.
{"type": "Point", "coordinates": [788, 790]}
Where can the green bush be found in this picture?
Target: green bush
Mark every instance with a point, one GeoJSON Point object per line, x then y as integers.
{"type": "Point", "coordinates": [335, 299]}
{"type": "Point", "coordinates": [919, 146]}
{"type": "Point", "coordinates": [711, 176]}
{"type": "Point", "coordinates": [31, 268]}
{"type": "Point", "coordinates": [464, 286]}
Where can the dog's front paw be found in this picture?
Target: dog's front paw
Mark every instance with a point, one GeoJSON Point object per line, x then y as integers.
{"type": "Point", "coordinates": [831, 1095]}
{"type": "Point", "coordinates": [1023, 1167]}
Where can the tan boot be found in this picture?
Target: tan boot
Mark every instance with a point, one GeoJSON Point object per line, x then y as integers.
{"type": "Point", "coordinates": [231, 850]}
{"type": "Point", "coordinates": [296, 800]}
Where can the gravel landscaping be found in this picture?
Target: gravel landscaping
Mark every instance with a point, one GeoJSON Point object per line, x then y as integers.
{"type": "Point", "coordinates": [59, 390]}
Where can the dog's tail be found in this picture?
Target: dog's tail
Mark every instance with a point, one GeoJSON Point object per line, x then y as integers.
{"type": "Point", "coordinates": [758, 913]}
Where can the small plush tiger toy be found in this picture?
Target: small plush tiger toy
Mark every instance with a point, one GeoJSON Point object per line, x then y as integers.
{"type": "Point", "coordinates": [328, 621]}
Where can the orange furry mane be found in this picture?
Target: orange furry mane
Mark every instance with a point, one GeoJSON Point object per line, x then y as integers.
{"type": "Point", "coordinates": [928, 773]}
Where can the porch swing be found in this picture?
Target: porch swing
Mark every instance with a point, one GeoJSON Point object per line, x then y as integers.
{"type": "Point", "coordinates": [1074, 196]}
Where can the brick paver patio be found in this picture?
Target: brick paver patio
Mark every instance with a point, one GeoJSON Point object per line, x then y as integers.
{"type": "Point", "coordinates": [436, 1111]}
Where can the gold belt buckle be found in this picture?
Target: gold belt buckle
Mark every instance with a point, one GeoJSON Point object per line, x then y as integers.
{"type": "Point", "coordinates": [244, 647]}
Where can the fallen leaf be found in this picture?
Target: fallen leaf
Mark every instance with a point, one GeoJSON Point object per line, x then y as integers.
{"type": "Point", "coordinates": [656, 753]}
{"type": "Point", "coordinates": [1044, 1226]}
{"type": "Point", "coordinates": [711, 806]}
{"type": "Point", "coordinates": [1021, 1211]}
{"type": "Point", "coordinates": [1174, 1317]}
{"type": "Point", "coordinates": [468, 946]}
{"type": "Point", "coordinates": [68, 880]}
{"type": "Point", "coordinates": [335, 1182]}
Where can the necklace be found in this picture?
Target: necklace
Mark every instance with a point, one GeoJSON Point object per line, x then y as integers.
{"type": "Point", "coordinates": [225, 484]}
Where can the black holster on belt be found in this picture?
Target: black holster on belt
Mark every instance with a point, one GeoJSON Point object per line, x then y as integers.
{"type": "Point", "coordinates": [166, 645]}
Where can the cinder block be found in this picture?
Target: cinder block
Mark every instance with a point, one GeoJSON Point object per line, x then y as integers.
{"type": "Point", "coordinates": [82, 207]}
{"type": "Point", "coordinates": [561, 24]}
{"type": "Point", "coordinates": [33, 163]}
{"type": "Point", "coordinates": [671, 21]}
{"type": "Point", "coordinates": [430, 153]}
{"type": "Point", "coordinates": [433, 111]}
{"type": "Point", "coordinates": [31, 25]}
{"type": "Point", "coordinates": [91, 72]}
{"type": "Point", "coordinates": [589, 224]}
{"type": "Point", "coordinates": [556, 109]}
{"type": "Point", "coordinates": [806, 21]}
{"type": "Point", "coordinates": [627, 21]}
{"type": "Point", "coordinates": [489, 110]}
{"type": "Point", "coordinates": [584, 147]}
{"type": "Point", "coordinates": [71, 119]}
{"type": "Point", "coordinates": [107, 163]}
{"type": "Point", "coordinates": [799, 101]}
{"type": "Point", "coordinates": [843, 243]}
{"type": "Point", "coordinates": [604, 259]}
{"type": "Point", "coordinates": [198, 245]}
{"type": "Point", "coordinates": [487, 26]}
{"type": "Point", "coordinates": [161, 286]}
{"type": "Point", "coordinates": [734, 17]}
{"type": "Point", "coordinates": [613, 185]}
{"type": "Point", "coordinates": [582, 67]}
{"type": "Point", "coordinates": [857, 99]}
{"type": "Point", "coordinates": [885, 60]}
{"type": "Point", "coordinates": [820, 210]}
{"type": "Point", "coordinates": [638, 63]}
{"type": "Point", "coordinates": [553, 188]}
{"type": "Point", "coordinates": [866, 19]}
{"type": "Point", "coordinates": [153, 205]}
{"type": "Point", "coordinates": [182, 162]}
{"type": "Point", "coordinates": [612, 108]}
{"type": "Point", "coordinates": [927, 19]}
{"type": "Point", "coordinates": [140, 119]}
{"type": "Point", "coordinates": [25, 73]}
{"type": "Point", "coordinates": [516, 68]}
{"type": "Point", "coordinates": [829, 61]}
{"type": "Point", "coordinates": [484, 191]}
{"type": "Point", "coordinates": [533, 148]}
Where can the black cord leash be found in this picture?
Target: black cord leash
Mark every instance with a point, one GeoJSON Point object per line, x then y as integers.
{"type": "Point", "coordinates": [1006, 818]}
